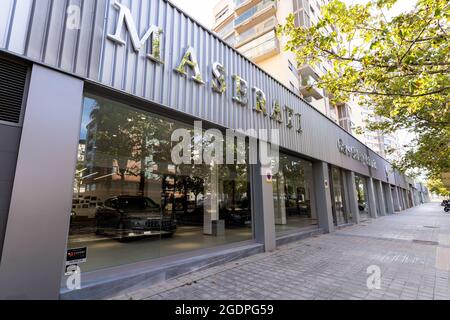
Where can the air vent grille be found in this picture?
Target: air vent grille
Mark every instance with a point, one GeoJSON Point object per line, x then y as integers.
{"type": "Point", "coordinates": [13, 77]}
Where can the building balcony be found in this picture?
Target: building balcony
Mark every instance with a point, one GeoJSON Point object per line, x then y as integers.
{"type": "Point", "coordinates": [344, 110]}
{"type": "Point", "coordinates": [256, 31]}
{"type": "Point", "coordinates": [255, 15]}
{"type": "Point", "coordinates": [346, 124]}
{"type": "Point", "coordinates": [308, 70]}
{"type": "Point", "coordinates": [308, 88]}
{"type": "Point", "coordinates": [261, 48]}
{"type": "Point", "coordinates": [225, 22]}
{"type": "Point", "coordinates": [244, 5]}
{"type": "Point", "coordinates": [345, 116]}
{"type": "Point", "coordinates": [225, 31]}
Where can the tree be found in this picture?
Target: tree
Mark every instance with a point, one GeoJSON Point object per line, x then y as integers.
{"type": "Point", "coordinates": [400, 66]}
{"type": "Point", "coordinates": [436, 186]}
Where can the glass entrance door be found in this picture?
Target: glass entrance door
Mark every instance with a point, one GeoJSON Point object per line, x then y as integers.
{"type": "Point", "coordinates": [340, 216]}
{"type": "Point", "coordinates": [363, 203]}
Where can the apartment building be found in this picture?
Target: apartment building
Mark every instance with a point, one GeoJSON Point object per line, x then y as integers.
{"type": "Point", "coordinates": [250, 27]}
{"type": "Point", "coordinates": [386, 145]}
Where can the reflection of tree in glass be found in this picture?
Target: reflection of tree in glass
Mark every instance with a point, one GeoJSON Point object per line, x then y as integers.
{"type": "Point", "coordinates": [235, 185]}
{"type": "Point", "coordinates": [129, 137]}
{"type": "Point", "coordinates": [360, 189]}
{"type": "Point", "coordinates": [292, 174]}
{"type": "Point", "coordinates": [234, 178]}
{"type": "Point", "coordinates": [191, 179]}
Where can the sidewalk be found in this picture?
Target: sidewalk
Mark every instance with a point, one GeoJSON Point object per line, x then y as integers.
{"type": "Point", "coordinates": [412, 250]}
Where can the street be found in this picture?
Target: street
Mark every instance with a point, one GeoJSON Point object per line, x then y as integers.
{"type": "Point", "coordinates": [410, 249]}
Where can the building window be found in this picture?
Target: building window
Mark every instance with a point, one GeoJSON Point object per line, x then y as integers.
{"type": "Point", "coordinates": [293, 195]}
{"type": "Point", "coordinates": [263, 4]}
{"type": "Point", "coordinates": [131, 203]}
{"type": "Point", "coordinates": [292, 68]}
{"type": "Point", "coordinates": [222, 13]}
{"type": "Point", "coordinates": [302, 19]}
{"type": "Point", "coordinates": [226, 30]}
{"type": "Point", "coordinates": [298, 4]}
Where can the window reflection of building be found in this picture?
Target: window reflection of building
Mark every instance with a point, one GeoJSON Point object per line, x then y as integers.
{"type": "Point", "coordinates": [127, 177]}
{"type": "Point", "coordinates": [81, 150]}
{"type": "Point", "coordinates": [292, 187]}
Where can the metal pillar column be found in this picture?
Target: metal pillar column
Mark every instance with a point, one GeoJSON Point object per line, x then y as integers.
{"type": "Point", "coordinates": [372, 201]}
{"type": "Point", "coordinates": [38, 223]}
{"type": "Point", "coordinates": [323, 196]}
{"type": "Point", "coordinates": [381, 201]}
{"type": "Point", "coordinates": [352, 195]}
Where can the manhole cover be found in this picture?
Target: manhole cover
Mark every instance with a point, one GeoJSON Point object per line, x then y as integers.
{"type": "Point", "coordinates": [430, 243]}
{"type": "Point", "coordinates": [431, 227]}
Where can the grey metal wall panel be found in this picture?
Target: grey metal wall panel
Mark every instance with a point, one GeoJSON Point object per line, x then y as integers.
{"type": "Point", "coordinates": [36, 231]}
{"type": "Point", "coordinates": [9, 145]}
{"type": "Point", "coordinates": [71, 36]}
{"type": "Point", "coordinates": [400, 180]}
{"type": "Point", "coordinates": [56, 32]}
{"type": "Point", "coordinates": [391, 174]}
{"type": "Point", "coordinates": [21, 16]}
{"type": "Point", "coordinates": [383, 168]}
{"type": "Point", "coordinates": [37, 30]}
{"type": "Point", "coordinates": [5, 16]}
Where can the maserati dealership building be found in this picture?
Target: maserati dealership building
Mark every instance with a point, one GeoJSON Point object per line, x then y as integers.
{"type": "Point", "coordinates": [96, 98]}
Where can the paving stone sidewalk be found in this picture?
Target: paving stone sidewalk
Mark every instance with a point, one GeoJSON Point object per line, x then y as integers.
{"type": "Point", "coordinates": [412, 250]}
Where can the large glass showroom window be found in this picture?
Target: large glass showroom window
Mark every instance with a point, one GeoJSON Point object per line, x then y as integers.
{"type": "Point", "coordinates": [293, 195]}
{"type": "Point", "coordinates": [340, 212]}
{"type": "Point", "coordinates": [363, 203]}
{"type": "Point", "coordinates": [131, 203]}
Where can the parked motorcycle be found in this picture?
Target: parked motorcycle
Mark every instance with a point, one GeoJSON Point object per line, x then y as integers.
{"type": "Point", "coordinates": [447, 208]}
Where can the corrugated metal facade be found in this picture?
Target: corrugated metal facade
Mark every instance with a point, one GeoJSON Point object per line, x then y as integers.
{"type": "Point", "coordinates": [37, 30]}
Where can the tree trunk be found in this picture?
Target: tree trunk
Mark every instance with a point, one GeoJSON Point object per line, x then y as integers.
{"type": "Point", "coordinates": [195, 204]}
{"type": "Point", "coordinates": [143, 169]}
{"type": "Point", "coordinates": [142, 183]}
{"type": "Point", "coordinates": [174, 199]}
{"type": "Point", "coordinates": [185, 202]}
{"type": "Point", "coordinates": [164, 190]}
{"type": "Point", "coordinates": [122, 181]}
{"type": "Point", "coordinates": [233, 196]}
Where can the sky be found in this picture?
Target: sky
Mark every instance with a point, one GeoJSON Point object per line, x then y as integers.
{"type": "Point", "coordinates": [202, 10]}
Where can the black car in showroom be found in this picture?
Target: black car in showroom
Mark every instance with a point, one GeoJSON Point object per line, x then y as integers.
{"type": "Point", "coordinates": [130, 217]}
{"type": "Point", "coordinates": [238, 217]}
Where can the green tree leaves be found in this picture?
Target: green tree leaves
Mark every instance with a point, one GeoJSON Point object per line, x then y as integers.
{"type": "Point", "coordinates": [398, 65]}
